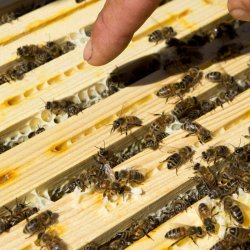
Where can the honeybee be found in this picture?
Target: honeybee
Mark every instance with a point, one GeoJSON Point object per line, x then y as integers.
{"type": "Point", "coordinates": [222, 30]}
{"type": "Point", "coordinates": [229, 50]}
{"type": "Point", "coordinates": [206, 174]}
{"type": "Point", "coordinates": [192, 115]}
{"type": "Point", "coordinates": [91, 246]}
{"type": "Point", "coordinates": [183, 155]}
{"type": "Point", "coordinates": [192, 77]}
{"type": "Point", "coordinates": [50, 242]}
{"type": "Point", "coordinates": [4, 78]}
{"type": "Point", "coordinates": [227, 243]}
{"type": "Point", "coordinates": [180, 233]}
{"type": "Point", "coordinates": [202, 133]}
{"type": "Point", "coordinates": [4, 148]}
{"type": "Point", "coordinates": [38, 131]}
{"type": "Point", "coordinates": [242, 154]}
{"type": "Point", "coordinates": [226, 96]}
{"type": "Point", "coordinates": [88, 30]}
{"type": "Point", "coordinates": [206, 217]}
{"type": "Point", "coordinates": [40, 222]}
{"type": "Point", "coordinates": [56, 194]}
{"type": "Point", "coordinates": [54, 49]}
{"type": "Point", "coordinates": [67, 47]}
{"type": "Point", "coordinates": [118, 244]}
{"type": "Point", "coordinates": [184, 106]}
{"type": "Point", "coordinates": [73, 109]}
{"type": "Point", "coordinates": [7, 17]}
{"type": "Point", "coordinates": [239, 233]}
{"type": "Point", "coordinates": [132, 176]}
{"type": "Point", "coordinates": [142, 227]}
{"type": "Point", "coordinates": [152, 140]}
{"type": "Point", "coordinates": [28, 51]}
{"type": "Point", "coordinates": [159, 125]}
{"type": "Point", "coordinates": [115, 188]}
{"type": "Point", "coordinates": [166, 33]}
{"type": "Point", "coordinates": [207, 105]}
{"type": "Point", "coordinates": [105, 155]}
{"type": "Point", "coordinates": [42, 57]}
{"type": "Point", "coordinates": [215, 153]}
{"type": "Point", "coordinates": [233, 210]}
{"type": "Point", "coordinates": [123, 124]}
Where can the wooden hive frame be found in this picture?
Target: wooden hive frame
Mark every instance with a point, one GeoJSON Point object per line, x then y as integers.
{"type": "Point", "coordinates": [65, 149]}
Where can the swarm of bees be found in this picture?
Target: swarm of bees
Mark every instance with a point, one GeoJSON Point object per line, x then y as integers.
{"type": "Point", "coordinates": [18, 213]}
{"type": "Point", "coordinates": [101, 178]}
{"type": "Point", "coordinates": [33, 56]}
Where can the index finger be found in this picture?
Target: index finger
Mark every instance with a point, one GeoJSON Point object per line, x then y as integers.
{"type": "Point", "coordinates": [114, 28]}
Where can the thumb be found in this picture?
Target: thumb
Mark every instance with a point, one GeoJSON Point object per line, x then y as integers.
{"type": "Point", "coordinates": [239, 9]}
{"type": "Point", "coordinates": [114, 28]}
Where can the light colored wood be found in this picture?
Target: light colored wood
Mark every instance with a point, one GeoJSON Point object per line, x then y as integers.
{"type": "Point", "coordinates": [40, 18]}
{"type": "Point", "coordinates": [84, 218]}
{"type": "Point", "coordinates": [190, 217]}
{"type": "Point", "coordinates": [78, 136]}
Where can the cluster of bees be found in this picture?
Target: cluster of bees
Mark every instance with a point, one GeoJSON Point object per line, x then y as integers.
{"type": "Point", "coordinates": [143, 226]}
{"type": "Point", "coordinates": [13, 15]}
{"type": "Point", "coordinates": [19, 212]}
{"type": "Point", "coordinates": [102, 179]}
{"type": "Point", "coordinates": [33, 56]}
{"type": "Point", "coordinates": [46, 238]}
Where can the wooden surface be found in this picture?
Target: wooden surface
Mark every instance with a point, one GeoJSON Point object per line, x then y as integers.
{"type": "Point", "coordinates": [67, 148]}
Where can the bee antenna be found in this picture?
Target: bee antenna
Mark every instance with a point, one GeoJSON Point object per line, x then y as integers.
{"type": "Point", "coordinates": [42, 100]}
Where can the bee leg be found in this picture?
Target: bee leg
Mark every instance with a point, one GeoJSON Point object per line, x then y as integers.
{"type": "Point", "coordinates": [189, 134]}
{"type": "Point", "coordinates": [193, 240]}
{"type": "Point", "coordinates": [8, 209]}
{"type": "Point", "coordinates": [147, 234]}
{"type": "Point", "coordinates": [177, 242]}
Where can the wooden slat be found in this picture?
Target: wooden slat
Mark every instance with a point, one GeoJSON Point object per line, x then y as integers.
{"type": "Point", "coordinates": [70, 85]}
{"type": "Point", "coordinates": [76, 134]}
{"type": "Point", "coordinates": [89, 220]}
{"type": "Point", "coordinates": [191, 217]}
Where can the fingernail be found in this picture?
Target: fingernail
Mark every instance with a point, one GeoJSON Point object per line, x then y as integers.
{"type": "Point", "coordinates": [88, 51]}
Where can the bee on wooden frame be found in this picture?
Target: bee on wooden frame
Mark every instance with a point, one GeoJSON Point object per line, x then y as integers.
{"type": "Point", "coordinates": [180, 233]}
{"type": "Point", "coordinates": [160, 124]}
{"type": "Point", "coordinates": [50, 241]}
{"type": "Point", "coordinates": [216, 153]}
{"type": "Point", "coordinates": [194, 128]}
{"type": "Point", "coordinates": [124, 123]}
{"type": "Point", "coordinates": [231, 207]}
{"type": "Point", "coordinates": [206, 215]}
{"type": "Point", "coordinates": [228, 51]}
{"type": "Point", "coordinates": [131, 176]}
{"type": "Point", "coordinates": [7, 17]}
{"type": "Point", "coordinates": [179, 158]}
{"type": "Point", "coordinates": [166, 33]}
{"type": "Point", "coordinates": [40, 222]}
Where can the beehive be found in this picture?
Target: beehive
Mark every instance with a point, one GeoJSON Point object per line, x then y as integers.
{"type": "Point", "coordinates": [68, 144]}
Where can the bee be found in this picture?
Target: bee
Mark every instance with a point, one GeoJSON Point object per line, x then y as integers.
{"type": "Point", "coordinates": [207, 105]}
{"type": "Point", "coordinates": [198, 40]}
{"type": "Point", "coordinates": [115, 188]}
{"type": "Point", "coordinates": [192, 77]}
{"type": "Point", "coordinates": [40, 222]}
{"type": "Point", "coordinates": [180, 233]}
{"type": "Point", "coordinates": [206, 174]}
{"type": "Point", "coordinates": [72, 185]}
{"type": "Point", "coordinates": [152, 140]}
{"type": "Point", "coordinates": [104, 156]}
{"type": "Point", "coordinates": [7, 17]}
{"type": "Point", "coordinates": [50, 242]}
{"type": "Point", "coordinates": [42, 57]}
{"type": "Point", "coordinates": [38, 131]}
{"type": "Point", "coordinates": [123, 124]}
{"type": "Point", "coordinates": [56, 194]}
{"type": "Point", "coordinates": [4, 78]}
{"type": "Point", "coordinates": [91, 246]}
{"type": "Point", "coordinates": [242, 154]}
{"type": "Point", "coordinates": [4, 224]}
{"type": "Point", "coordinates": [233, 210]}
{"type": "Point", "coordinates": [206, 217]}
{"type": "Point", "coordinates": [192, 115]}
{"type": "Point", "coordinates": [215, 153]}
{"type": "Point", "coordinates": [202, 133]}
{"type": "Point", "coordinates": [227, 243]}
{"type": "Point", "coordinates": [183, 155]}
{"type": "Point", "coordinates": [4, 148]}
{"type": "Point", "coordinates": [226, 96]}
{"type": "Point", "coordinates": [142, 227]}
{"type": "Point", "coordinates": [239, 233]}
{"type": "Point", "coordinates": [67, 47]}
{"type": "Point", "coordinates": [73, 109]}
{"type": "Point", "coordinates": [88, 30]}
{"type": "Point", "coordinates": [54, 106]}
{"type": "Point", "coordinates": [229, 51]}
{"type": "Point", "coordinates": [222, 30]}
{"type": "Point", "coordinates": [28, 51]}
{"type": "Point", "coordinates": [184, 106]}
{"type": "Point", "coordinates": [130, 176]}
{"type": "Point", "coordinates": [54, 49]}
{"type": "Point", "coordinates": [118, 244]}
{"type": "Point", "coordinates": [166, 33]}
{"type": "Point", "coordinates": [159, 125]}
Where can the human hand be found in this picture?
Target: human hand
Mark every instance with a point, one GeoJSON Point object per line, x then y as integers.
{"type": "Point", "coordinates": [119, 19]}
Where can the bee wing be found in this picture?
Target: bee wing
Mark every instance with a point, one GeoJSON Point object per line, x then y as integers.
{"type": "Point", "coordinates": [108, 170]}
